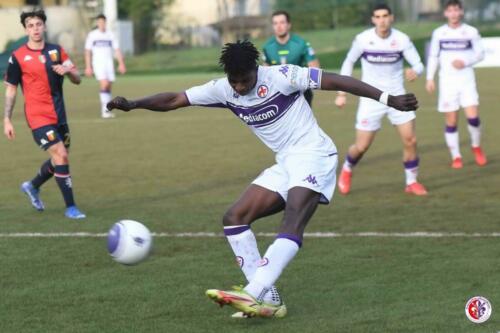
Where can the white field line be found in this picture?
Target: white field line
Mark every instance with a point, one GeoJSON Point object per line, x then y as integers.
{"type": "Point", "coordinates": [421, 234]}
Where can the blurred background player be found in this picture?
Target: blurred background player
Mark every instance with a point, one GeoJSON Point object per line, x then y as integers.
{"type": "Point", "coordinates": [287, 48]}
{"type": "Point", "coordinates": [40, 68]}
{"type": "Point", "coordinates": [270, 101]}
{"type": "Point", "coordinates": [382, 50]}
{"type": "Point", "coordinates": [100, 46]}
{"type": "Point", "coordinates": [455, 48]}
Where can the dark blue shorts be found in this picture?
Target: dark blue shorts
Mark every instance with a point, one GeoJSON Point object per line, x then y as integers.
{"type": "Point", "coordinates": [49, 135]}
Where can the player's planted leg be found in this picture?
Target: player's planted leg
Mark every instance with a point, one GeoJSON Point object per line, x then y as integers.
{"type": "Point", "coordinates": [410, 158]}
{"type": "Point", "coordinates": [474, 127]}
{"type": "Point", "coordinates": [452, 139]}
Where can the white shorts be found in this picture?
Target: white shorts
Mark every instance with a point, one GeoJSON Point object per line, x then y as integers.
{"type": "Point", "coordinates": [370, 115]}
{"type": "Point", "coordinates": [104, 71]}
{"type": "Point", "coordinates": [457, 92]}
{"type": "Point", "coordinates": [312, 170]}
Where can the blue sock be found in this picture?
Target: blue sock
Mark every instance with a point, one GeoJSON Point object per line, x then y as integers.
{"type": "Point", "coordinates": [63, 179]}
{"type": "Point", "coordinates": [45, 173]}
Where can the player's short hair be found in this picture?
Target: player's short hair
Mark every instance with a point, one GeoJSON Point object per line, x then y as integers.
{"type": "Point", "coordinates": [101, 16]}
{"type": "Point", "coordinates": [282, 12]}
{"type": "Point", "coordinates": [239, 58]}
{"type": "Point", "coordinates": [35, 13]}
{"type": "Point", "coordinates": [457, 3]}
{"type": "Point", "coordinates": [380, 6]}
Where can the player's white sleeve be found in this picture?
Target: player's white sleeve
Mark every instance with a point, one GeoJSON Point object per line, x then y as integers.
{"type": "Point", "coordinates": [88, 42]}
{"type": "Point", "coordinates": [210, 94]}
{"type": "Point", "coordinates": [477, 47]}
{"type": "Point", "coordinates": [433, 57]}
{"type": "Point", "coordinates": [411, 55]}
{"type": "Point", "coordinates": [292, 78]}
{"type": "Point", "coordinates": [353, 55]}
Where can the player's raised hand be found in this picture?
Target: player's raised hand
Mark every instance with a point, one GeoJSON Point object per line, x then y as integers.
{"type": "Point", "coordinates": [430, 86]}
{"type": "Point", "coordinates": [341, 100]}
{"type": "Point", "coordinates": [407, 102]}
{"type": "Point", "coordinates": [8, 130]}
{"type": "Point", "coordinates": [120, 103]}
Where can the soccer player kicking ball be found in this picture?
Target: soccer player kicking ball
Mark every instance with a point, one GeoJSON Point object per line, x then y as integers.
{"type": "Point", "coordinates": [456, 47]}
{"type": "Point", "coordinates": [382, 50]}
{"type": "Point", "coordinates": [270, 101]}
{"type": "Point", "coordinates": [40, 68]}
{"type": "Point", "coordinates": [99, 48]}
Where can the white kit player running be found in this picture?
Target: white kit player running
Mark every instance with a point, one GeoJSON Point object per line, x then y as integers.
{"type": "Point", "coordinates": [455, 48]}
{"type": "Point", "coordinates": [382, 50]}
{"type": "Point", "coordinates": [270, 100]}
{"type": "Point", "coordinates": [100, 47]}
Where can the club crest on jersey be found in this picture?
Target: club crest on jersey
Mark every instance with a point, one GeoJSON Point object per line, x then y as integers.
{"type": "Point", "coordinates": [262, 91]}
{"type": "Point", "coordinates": [54, 55]}
{"type": "Point", "coordinates": [42, 58]}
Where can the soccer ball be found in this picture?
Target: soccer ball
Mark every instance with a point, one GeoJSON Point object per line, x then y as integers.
{"type": "Point", "coordinates": [129, 242]}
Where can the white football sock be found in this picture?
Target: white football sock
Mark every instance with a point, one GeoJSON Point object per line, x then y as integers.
{"type": "Point", "coordinates": [411, 171]}
{"type": "Point", "coordinates": [276, 258]}
{"type": "Point", "coordinates": [105, 97]}
{"type": "Point", "coordinates": [244, 246]}
{"type": "Point", "coordinates": [453, 144]}
{"type": "Point", "coordinates": [475, 135]}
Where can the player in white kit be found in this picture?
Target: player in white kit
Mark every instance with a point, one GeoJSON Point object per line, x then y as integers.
{"type": "Point", "coordinates": [455, 48]}
{"type": "Point", "coordinates": [382, 50]}
{"type": "Point", "coordinates": [271, 102]}
{"type": "Point", "coordinates": [100, 47]}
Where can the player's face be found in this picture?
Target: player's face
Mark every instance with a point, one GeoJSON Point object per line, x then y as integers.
{"type": "Point", "coordinates": [35, 28]}
{"type": "Point", "coordinates": [281, 26]}
{"type": "Point", "coordinates": [453, 14]}
{"type": "Point", "coordinates": [101, 24]}
{"type": "Point", "coordinates": [382, 20]}
{"type": "Point", "coordinates": [243, 83]}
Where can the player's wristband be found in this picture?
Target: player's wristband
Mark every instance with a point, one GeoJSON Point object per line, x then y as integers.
{"type": "Point", "coordinates": [384, 98]}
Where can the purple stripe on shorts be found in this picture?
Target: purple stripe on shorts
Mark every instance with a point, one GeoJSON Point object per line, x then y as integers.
{"type": "Point", "coordinates": [451, 129]}
{"type": "Point", "coordinates": [351, 160]}
{"type": "Point", "coordinates": [474, 121]}
{"type": "Point", "coordinates": [291, 237]}
{"type": "Point", "coordinates": [235, 230]}
{"type": "Point", "coordinates": [411, 164]}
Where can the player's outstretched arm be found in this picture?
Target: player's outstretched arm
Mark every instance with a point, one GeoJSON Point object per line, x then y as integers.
{"type": "Point", "coordinates": [10, 101]}
{"type": "Point", "coordinates": [160, 102]}
{"type": "Point", "coordinates": [331, 81]}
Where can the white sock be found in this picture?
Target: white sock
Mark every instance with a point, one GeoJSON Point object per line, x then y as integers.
{"type": "Point", "coordinates": [475, 135]}
{"type": "Point", "coordinates": [411, 171]}
{"type": "Point", "coordinates": [349, 163]}
{"type": "Point", "coordinates": [105, 97]}
{"type": "Point", "coordinates": [276, 258]}
{"type": "Point", "coordinates": [453, 143]}
{"type": "Point", "coordinates": [248, 257]}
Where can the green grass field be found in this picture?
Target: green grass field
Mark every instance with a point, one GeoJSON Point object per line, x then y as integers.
{"type": "Point", "coordinates": [178, 172]}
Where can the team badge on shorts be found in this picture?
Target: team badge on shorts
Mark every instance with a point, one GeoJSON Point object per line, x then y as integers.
{"type": "Point", "coordinates": [478, 309]}
{"type": "Point", "coordinates": [240, 261]}
{"type": "Point", "coordinates": [262, 91]}
{"type": "Point", "coordinates": [50, 135]}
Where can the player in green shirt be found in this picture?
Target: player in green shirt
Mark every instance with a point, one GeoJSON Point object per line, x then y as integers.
{"type": "Point", "coordinates": [287, 48]}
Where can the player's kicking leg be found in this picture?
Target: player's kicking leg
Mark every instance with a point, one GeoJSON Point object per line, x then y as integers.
{"type": "Point", "coordinates": [105, 97]}
{"type": "Point", "coordinates": [255, 203]}
{"type": "Point", "coordinates": [474, 127]}
{"type": "Point", "coordinates": [410, 158]}
{"type": "Point", "coordinates": [452, 138]}
{"type": "Point", "coordinates": [356, 151]}
{"type": "Point", "coordinates": [300, 206]}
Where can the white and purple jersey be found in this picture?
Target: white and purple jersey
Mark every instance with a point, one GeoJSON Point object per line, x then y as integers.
{"type": "Point", "coordinates": [102, 44]}
{"type": "Point", "coordinates": [449, 44]}
{"type": "Point", "coordinates": [382, 59]}
{"type": "Point", "coordinates": [275, 109]}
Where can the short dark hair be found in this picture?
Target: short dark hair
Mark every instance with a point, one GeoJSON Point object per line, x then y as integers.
{"type": "Point", "coordinates": [453, 3]}
{"type": "Point", "coordinates": [35, 13]}
{"type": "Point", "coordinates": [380, 6]}
{"type": "Point", "coordinates": [239, 58]}
{"type": "Point", "coordinates": [282, 12]}
{"type": "Point", "coordinates": [101, 16]}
